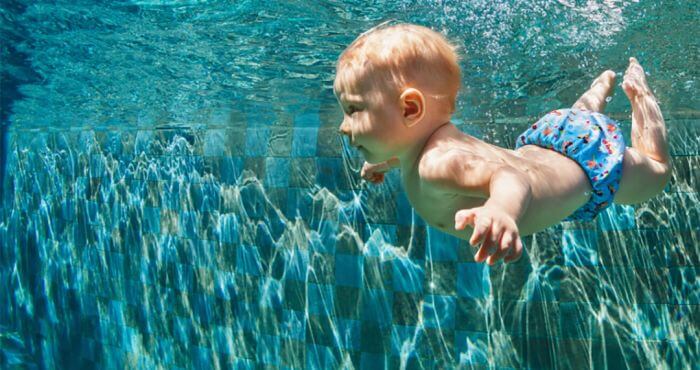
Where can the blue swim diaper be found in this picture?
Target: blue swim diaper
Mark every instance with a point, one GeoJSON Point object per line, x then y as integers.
{"type": "Point", "coordinates": [594, 141]}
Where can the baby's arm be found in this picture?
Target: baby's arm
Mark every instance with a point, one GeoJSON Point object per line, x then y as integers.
{"type": "Point", "coordinates": [375, 172]}
{"type": "Point", "coordinates": [508, 192]}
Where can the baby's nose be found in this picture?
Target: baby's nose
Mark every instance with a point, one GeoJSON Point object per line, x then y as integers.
{"type": "Point", "coordinates": [344, 129]}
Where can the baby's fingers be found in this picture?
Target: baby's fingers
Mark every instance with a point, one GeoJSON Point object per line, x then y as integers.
{"type": "Point", "coordinates": [481, 227]}
{"type": "Point", "coordinates": [515, 252]}
{"type": "Point", "coordinates": [464, 218]}
{"type": "Point", "coordinates": [504, 246]}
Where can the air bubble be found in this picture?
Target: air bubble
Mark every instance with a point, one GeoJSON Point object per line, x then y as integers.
{"type": "Point", "coordinates": [608, 99]}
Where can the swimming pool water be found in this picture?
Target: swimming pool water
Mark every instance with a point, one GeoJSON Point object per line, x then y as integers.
{"type": "Point", "coordinates": [176, 195]}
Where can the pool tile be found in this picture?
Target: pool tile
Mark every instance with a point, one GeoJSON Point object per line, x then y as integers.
{"type": "Point", "coordinates": [348, 270]}
{"type": "Point", "coordinates": [277, 172]}
{"type": "Point", "coordinates": [408, 275]}
{"type": "Point", "coordinates": [580, 247]}
{"type": "Point", "coordinates": [377, 306]}
{"type": "Point", "coordinates": [304, 141]}
{"type": "Point", "coordinates": [257, 139]}
{"type": "Point", "coordinates": [406, 308]}
{"type": "Point", "coordinates": [472, 280]}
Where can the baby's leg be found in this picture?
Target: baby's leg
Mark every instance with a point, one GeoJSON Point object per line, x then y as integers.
{"type": "Point", "coordinates": [647, 164]}
{"type": "Point", "coordinates": [601, 88]}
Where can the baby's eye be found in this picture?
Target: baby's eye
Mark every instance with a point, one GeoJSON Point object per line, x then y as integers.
{"type": "Point", "coordinates": [352, 109]}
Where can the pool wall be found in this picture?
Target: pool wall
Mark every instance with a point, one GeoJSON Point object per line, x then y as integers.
{"type": "Point", "coordinates": [254, 245]}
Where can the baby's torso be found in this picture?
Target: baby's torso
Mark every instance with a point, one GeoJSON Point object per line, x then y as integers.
{"type": "Point", "coordinates": [559, 185]}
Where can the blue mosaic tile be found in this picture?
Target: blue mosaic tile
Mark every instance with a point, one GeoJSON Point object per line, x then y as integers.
{"type": "Point", "coordinates": [441, 246]}
{"type": "Point", "coordinates": [201, 357]}
{"type": "Point", "coordinates": [382, 237]}
{"type": "Point", "coordinates": [260, 114]}
{"type": "Point", "coordinates": [617, 217]}
{"type": "Point", "coordinates": [377, 305]}
{"type": "Point", "coordinates": [439, 311]}
{"type": "Point", "coordinates": [293, 324]}
{"type": "Point", "coordinates": [472, 347]}
{"type": "Point", "coordinates": [348, 270]}
{"type": "Point", "coordinates": [230, 169]}
{"type": "Point", "coordinates": [408, 275]}
{"type": "Point", "coordinates": [404, 340]}
{"type": "Point", "coordinates": [320, 357]}
{"type": "Point", "coordinates": [304, 141]}
{"type": "Point", "coordinates": [229, 232]}
{"type": "Point", "coordinates": [188, 225]}
{"type": "Point", "coordinates": [373, 361]}
{"type": "Point", "coordinates": [271, 293]}
{"type": "Point", "coordinates": [247, 315]}
{"type": "Point", "coordinates": [151, 219]}
{"type": "Point", "coordinates": [331, 174]}
{"type": "Point", "coordinates": [320, 299]}
{"type": "Point", "coordinates": [580, 247]}
{"type": "Point", "coordinates": [299, 204]}
{"type": "Point", "coordinates": [268, 349]}
{"type": "Point", "coordinates": [225, 285]}
{"type": "Point", "coordinates": [309, 119]}
{"type": "Point", "coordinates": [215, 143]}
{"type": "Point", "coordinates": [349, 333]}
{"type": "Point", "coordinates": [256, 141]}
{"type": "Point", "coordinates": [296, 264]}
{"type": "Point", "coordinates": [248, 260]}
{"type": "Point", "coordinates": [327, 239]}
{"type": "Point", "coordinates": [473, 280]}
{"type": "Point", "coordinates": [277, 172]}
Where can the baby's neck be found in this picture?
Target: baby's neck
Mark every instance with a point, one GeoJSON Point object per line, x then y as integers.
{"type": "Point", "coordinates": [410, 157]}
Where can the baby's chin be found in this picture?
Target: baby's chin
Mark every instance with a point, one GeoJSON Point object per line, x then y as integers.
{"type": "Point", "coordinates": [371, 158]}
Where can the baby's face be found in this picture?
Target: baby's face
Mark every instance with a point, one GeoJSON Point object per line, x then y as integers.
{"type": "Point", "coordinates": [371, 118]}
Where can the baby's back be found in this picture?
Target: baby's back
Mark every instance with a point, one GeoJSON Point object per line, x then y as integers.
{"type": "Point", "coordinates": [559, 185]}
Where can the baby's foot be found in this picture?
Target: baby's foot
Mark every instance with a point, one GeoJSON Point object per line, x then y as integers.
{"type": "Point", "coordinates": [635, 82]}
{"type": "Point", "coordinates": [606, 79]}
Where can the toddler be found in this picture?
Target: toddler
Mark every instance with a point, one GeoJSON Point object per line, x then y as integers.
{"type": "Point", "coordinates": [397, 87]}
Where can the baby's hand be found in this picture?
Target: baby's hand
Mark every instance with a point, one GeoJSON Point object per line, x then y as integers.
{"type": "Point", "coordinates": [495, 230]}
{"type": "Point", "coordinates": [374, 173]}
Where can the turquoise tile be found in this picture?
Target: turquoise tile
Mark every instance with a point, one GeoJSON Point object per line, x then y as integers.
{"type": "Point", "coordinates": [376, 306]}
{"type": "Point", "coordinates": [215, 143]}
{"type": "Point", "coordinates": [348, 270]}
{"type": "Point", "coordinates": [308, 119]}
{"type": "Point", "coordinates": [296, 263]}
{"type": "Point", "coordinates": [617, 217]}
{"type": "Point", "coordinates": [248, 260]}
{"type": "Point", "coordinates": [321, 299]}
{"type": "Point", "coordinates": [473, 280]}
{"type": "Point", "coordinates": [349, 334]}
{"type": "Point", "coordinates": [304, 141]}
{"type": "Point", "coordinates": [256, 144]}
{"type": "Point", "coordinates": [472, 348]}
{"type": "Point", "coordinates": [441, 246]}
{"type": "Point", "coordinates": [404, 339]}
{"type": "Point", "coordinates": [293, 324]}
{"type": "Point", "coordinates": [408, 275]}
{"type": "Point", "coordinates": [439, 311]}
{"type": "Point", "coordinates": [268, 349]}
{"type": "Point", "coordinates": [580, 247]}
{"type": "Point", "coordinates": [277, 171]}
{"type": "Point", "coordinates": [374, 360]}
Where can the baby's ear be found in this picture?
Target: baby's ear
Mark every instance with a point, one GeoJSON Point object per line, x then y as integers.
{"type": "Point", "coordinates": [413, 106]}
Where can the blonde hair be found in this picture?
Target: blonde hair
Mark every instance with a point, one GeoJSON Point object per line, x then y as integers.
{"type": "Point", "coordinates": [402, 55]}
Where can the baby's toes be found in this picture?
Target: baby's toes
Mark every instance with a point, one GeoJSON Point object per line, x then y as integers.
{"type": "Point", "coordinates": [630, 89]}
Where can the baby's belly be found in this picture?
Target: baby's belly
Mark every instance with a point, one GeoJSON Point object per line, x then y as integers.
{"type": "Point", "coordinates": [559, 187]}
{"type": "Point", "coordinates": [439, 212]}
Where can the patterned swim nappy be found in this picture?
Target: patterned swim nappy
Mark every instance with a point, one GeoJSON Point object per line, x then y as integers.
{"type": "Point", "coordinates": [594, 141]}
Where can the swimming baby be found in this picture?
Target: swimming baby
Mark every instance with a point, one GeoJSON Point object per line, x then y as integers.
{"type": "Point", "coordinates": [397, 87]}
